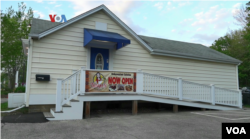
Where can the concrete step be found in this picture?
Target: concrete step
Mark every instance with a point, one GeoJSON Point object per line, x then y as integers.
{"type": "Point", "coordinates": [48, 115]}
{"type": "Point", "coordinates": [54, 110]}
{"type": "Point", "coordinates": [66, 105]}
{"type": "Point", "coordinates": [73, 112]}
{"type": "Point", "coordinates": [74, 100]}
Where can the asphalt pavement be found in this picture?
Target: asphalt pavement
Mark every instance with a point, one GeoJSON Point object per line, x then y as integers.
{"type": "Point", "coordinates": [36, 117]}
{"type": "Point", "coordinates": [158, 125]}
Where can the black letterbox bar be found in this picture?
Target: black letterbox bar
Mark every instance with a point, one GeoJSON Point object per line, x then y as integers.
{"type": "Point", "coordinates": [40, 77]}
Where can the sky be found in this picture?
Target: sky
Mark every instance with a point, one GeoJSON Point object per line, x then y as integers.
{"type": "Point", "coordinates": [189, 21]}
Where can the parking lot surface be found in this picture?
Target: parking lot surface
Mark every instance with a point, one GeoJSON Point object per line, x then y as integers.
{"type": "Point", "coordinates": [162, 125]}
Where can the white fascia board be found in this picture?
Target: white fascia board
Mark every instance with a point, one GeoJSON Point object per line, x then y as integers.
{"type": "Point", "coordinates": [102, 7]}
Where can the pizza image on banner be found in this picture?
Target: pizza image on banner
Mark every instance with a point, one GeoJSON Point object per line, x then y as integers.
{"type": "Point", "coordinates": [106, 81]}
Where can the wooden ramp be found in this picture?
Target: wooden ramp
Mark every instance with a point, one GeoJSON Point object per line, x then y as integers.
{"type": "Point", "coordinates": [74, 110]}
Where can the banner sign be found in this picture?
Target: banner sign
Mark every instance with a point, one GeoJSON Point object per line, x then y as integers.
{"type": "Point", "coordinates": [108, 81]}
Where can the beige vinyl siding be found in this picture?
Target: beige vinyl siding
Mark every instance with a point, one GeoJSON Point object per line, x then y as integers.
{"type": "Point", "coordinates": [197, 71]}
{"type": "Point", "coordinates": [62, 51]}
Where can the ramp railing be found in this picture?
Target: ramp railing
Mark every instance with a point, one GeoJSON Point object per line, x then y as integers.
{"type": "Point", "coordinates": [152, 84]}
{"type": "Point", "coordinates": [186, 90]}
{"type": "Point", "coordinates": [160, 85]}
{"type": "Point", "coordinates": [227, 97]}
{"type": "Point", "coordinates": [196, 92]}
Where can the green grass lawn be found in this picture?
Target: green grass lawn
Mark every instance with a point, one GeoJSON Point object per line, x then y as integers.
{"type": "Point", "coordinates": [248, 106]}
{"type": "Point", "coordinates": [4, 107]}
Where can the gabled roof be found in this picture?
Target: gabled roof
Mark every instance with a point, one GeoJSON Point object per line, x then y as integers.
{"type": "Point", "coordinates": [156, 46]}
{"type": "Point", "coordinates": [86, 14]}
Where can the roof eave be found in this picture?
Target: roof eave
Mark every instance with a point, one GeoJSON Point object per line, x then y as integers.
{"type": "Point", "coordinates": [194, 58]}
{"type": "Point", "coordinates": [34, 36]}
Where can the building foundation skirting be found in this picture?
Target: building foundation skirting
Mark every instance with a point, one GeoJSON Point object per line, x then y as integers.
{"type": "Point", "coordinates": [41, 108]}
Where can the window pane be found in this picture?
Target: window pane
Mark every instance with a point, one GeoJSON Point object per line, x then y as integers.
{"type": "Point", "coordinates": [99, 62]}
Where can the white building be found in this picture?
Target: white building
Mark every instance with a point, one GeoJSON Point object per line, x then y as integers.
{"type": "Point", "coordinates": [98, 39]}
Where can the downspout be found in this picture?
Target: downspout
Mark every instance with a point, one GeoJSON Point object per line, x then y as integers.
{"type": "Point", "coordinates": [27, 91]}
{"type": "Point", "coordinates": [25, 98]}
{"type": "Point", "coordinates": [29, 53]}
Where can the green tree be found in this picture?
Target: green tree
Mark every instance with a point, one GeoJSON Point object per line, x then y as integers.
{"type": "Point", "coordinates": [222, 44]}
{"type": "Point", "coordinates": [14, 27]}
{"type": "Point", "coordinates": [235, 45]}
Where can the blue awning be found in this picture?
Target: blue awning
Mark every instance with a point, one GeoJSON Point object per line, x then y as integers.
{"type": "Point", "coordinates": [91, 35]}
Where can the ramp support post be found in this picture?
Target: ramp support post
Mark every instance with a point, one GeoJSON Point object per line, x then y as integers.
{"type": "Point", "coordinates": [175, 108]}
{"type": "Point", "coordinates": [134, 107]}
{"type": "Point", "coordinates": [87, 110]}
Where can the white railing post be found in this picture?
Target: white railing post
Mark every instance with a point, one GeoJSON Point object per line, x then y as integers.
{"type": "Point", "coordinates": [240, 99]}
{"type": "Point", "coordinates": [82, 80]}
{"type": "Point", "coordinates": [212, 94]}
{"type": "Point", "coordinates": [73, 83]}
{"type": "Point", "coordinates": [58, 95]}
{"type": "Point", "coordinates": [180, 88]}
{"type": "Point", "coordinates": [139, 81]}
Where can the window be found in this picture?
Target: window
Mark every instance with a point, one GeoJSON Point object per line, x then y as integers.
{"type": "Point", "coordinates": [99, 62]}
{"type": "Point", "coordinates": [101, 26]}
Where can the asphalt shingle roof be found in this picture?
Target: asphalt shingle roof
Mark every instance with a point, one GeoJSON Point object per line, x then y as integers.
{"type": "Point", "coordinates": [39, 25]}
{"type": "Point", "coordinates": [157, 44]}
{"type": "Point", "coordinates": [185, 48]}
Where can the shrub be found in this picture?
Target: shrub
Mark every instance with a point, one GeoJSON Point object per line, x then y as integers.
{"type": "Point", "coordinates": [20, 89]}
{"type": "Point", "coordinates": [4, 92]}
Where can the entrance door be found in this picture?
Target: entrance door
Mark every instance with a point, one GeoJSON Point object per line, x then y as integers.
{"type": "Point", "coordinates": [99, 59]}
